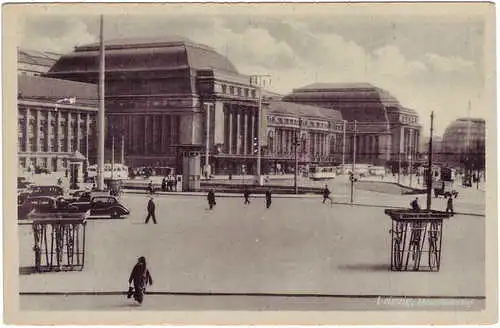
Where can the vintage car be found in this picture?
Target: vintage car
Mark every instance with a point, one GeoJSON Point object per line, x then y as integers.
{"type": "Point", "coordinates": [39, 203]}
{"type": "Point", "coordinates": [23, 183]}
{"type": "Point", "coordinates": [52, 191]}
{"type": "Point", "coordinates": [79, 196]}
{"type": "Point", "coordinates": [100, 206]}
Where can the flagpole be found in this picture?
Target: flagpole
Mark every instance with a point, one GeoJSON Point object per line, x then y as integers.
{"type": "Point", "coordinates": [101, 117]}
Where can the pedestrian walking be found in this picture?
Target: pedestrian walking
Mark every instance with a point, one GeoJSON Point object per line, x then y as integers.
{"type": "Point", "coordinates": [140, 277]}
{"type": "Point", "coordinates": [268, 198]}
{"type": "Point", "coordinates": [151, 211]}
{"type": "Point", "coordinates": [150, 187]}
{"type": "Point", "coordinates": [211, 199]}
{"type": "Point", "coordinates": [246, 195]}
{"type": "Point", "coordinates": [449, 205]}
{"type": "Point", "coordinates": [326, 195]}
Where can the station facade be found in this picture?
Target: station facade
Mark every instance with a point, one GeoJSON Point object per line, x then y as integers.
{"type": "Point", "coordinates": [386, 132]}
{"type": "Point", "coordinates": [165, 96]}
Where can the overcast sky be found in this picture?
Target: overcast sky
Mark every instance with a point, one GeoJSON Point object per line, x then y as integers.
{"type": "Point", "coordinates": [428, 63]}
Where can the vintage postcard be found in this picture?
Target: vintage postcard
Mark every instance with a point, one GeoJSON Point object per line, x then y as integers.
{"type": "Point", "coordinates": [251, 163]}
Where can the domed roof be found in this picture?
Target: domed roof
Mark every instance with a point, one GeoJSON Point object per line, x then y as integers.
{"type": "Point", "coordinates": [356, 101]}
{"type": "Point", "coordinates": [133, 55]}
{"type": "Point", "coordinates": [464, 131]}
{"type": "Point", "coordinates": [283, 107]}
{"type": "Point", "coordinates": [344, 92]}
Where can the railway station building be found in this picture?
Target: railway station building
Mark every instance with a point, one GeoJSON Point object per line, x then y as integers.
{"type": "Point", "coordinates": [164, 95]}
{"type": "Point", "coordinates": [160, 94]}
{"type": "Point", "coordinates": [385, 130]}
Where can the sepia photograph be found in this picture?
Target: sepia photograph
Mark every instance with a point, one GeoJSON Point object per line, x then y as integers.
{"type": "Point", "coordinates": [250, 160]}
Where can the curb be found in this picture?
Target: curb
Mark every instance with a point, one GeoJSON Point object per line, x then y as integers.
{"type": "Point", "coordinates": [305, 295]}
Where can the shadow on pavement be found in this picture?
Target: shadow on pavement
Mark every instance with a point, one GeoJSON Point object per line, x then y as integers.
{"type": "Point", "coordinates": [27, 270]}
{"type": "Point", "coordinates": [365, 267]}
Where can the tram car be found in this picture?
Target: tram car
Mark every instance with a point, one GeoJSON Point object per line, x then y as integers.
{"type": "Point", "coordinates": [322, 172]}
{"type": "Point", "coordinates": [442, 181]}
{"type": "Point", "coordinates": [116, 171]}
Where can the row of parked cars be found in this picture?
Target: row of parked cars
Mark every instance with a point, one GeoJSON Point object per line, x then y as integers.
{"type": "Point", "coordinates": [50, 198]}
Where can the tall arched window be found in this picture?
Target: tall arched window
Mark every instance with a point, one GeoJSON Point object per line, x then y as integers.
{"type": "Point", "coordinates": [270, 143]}
{"type": "Point", "coordinates": [333, 143]}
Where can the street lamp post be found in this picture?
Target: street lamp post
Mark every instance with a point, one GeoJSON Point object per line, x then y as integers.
{"type": "Point", "coordinates": [429, 176]}
{"type": "Point", "coordinates": [207, 141]}
{"type": "Point", "coordinates": [343, 147]}
{"type": "Point", "coordinates": [296, 144]}
{"type": "Point", "coordinates": [259, 81]}
{"type": "Point", "coordinates": [353, 160]}
{"type": "Point", "coordinates": [101, 114]}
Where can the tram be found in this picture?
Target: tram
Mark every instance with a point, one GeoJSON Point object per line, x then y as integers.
{"type": "Point", "coordinates": [116, 172]}
{"type": "Point", "coordinates": [322, 172]}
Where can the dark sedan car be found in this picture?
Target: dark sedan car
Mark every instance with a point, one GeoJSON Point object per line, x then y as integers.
{"type": "Point", "coordinates": [103, 206]}
{"type": "Point", "coordinates": [38, 203]}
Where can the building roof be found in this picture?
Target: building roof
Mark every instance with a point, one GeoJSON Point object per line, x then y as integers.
{"type": "Point", "coordinates": [344, 93]}
{"type": "Point", "coordinates": [132, 55]}
{"type": "Point", "coordinates": [282, 107]}
{"type": "Point", "coordinates": [37, 88]}
{"type": "Point", "coordinates": [330, 86]}
{"type": "Point", "coordinates": [35, 57]}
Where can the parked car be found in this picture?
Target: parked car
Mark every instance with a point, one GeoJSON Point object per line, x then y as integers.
{"type": "Point", "coordinates": [38, 203]}
{"type": "Point", "coordinates": [23, 183]}
{"type": "Point", "coordinates": [80, 196]}
{"type": "Point", "coordinates": [22, 196]}
{"type": "Point", "coordinates": [53, 191]}
{"type": "Point", "coordinates": [103, 206]}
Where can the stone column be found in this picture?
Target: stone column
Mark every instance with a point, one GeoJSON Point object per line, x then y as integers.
{"type": "Point", "coordinates": [238, 132]}
{"type": "Point", "coordinates": [218, 123]}
{"type": "Point", "coordinates": [78, 131]}
{"type": "Point", "coordinates": [130, 134]}
{"type": "Point", "coordinates": [37, 132]}
{"type": "Point", "coordinates": [162, 133]}
{"type": "Point", "coordinates": [230, 117]}
{"type": "Point", "coordinates": [252, 133]}
{"type": "Point", "coordinates": [87, 136]}
{"type": "Point", "coordinates": [58, 132]}
{"type": "Point", "coordinates": [27, 130]}
{"type": "Point", "coordinates": [401, 140]}
{"type": "Point", "coordinates": [245, 133]}
{"type": "Point", "coordinates": [173, 131]}
{"type": "Point", "coordinates": [325, 142]}
{"type": "Point", "coordinates": [50, 133]}
{"type": "Point", "coordinates": [69, 132]}
{"type": "Point", "coordinates": [145, 135]}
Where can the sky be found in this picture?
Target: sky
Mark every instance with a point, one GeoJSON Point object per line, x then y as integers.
{"type": "Point", "coordinates": [428, 62]}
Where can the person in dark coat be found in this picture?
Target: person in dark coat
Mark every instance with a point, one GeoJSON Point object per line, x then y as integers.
{"type": "Point", "coordinates": [211, 199]}
{"type": "Point", "coordinates": [268, 198]}
{"type": "Point", "coordinates": [246, 195]}
{"type": "Point", "coordinates": [151, 211]}
{"type": "Point", "coordinates": [164, 184]}
{"type": "Point", "coordinates": [326, 195]}
{"type": "Point", "coordinates": [449, 205]}
{"type": "Point", "coordinates": [415, 205]}
{"type": "Point", "coordinates": [140, 277]}
{"type": "Point", "coordinates": [150, 187]}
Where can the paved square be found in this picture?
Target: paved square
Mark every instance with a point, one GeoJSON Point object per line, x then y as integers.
{"type": "Point", "coordinates": [297, 246]}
